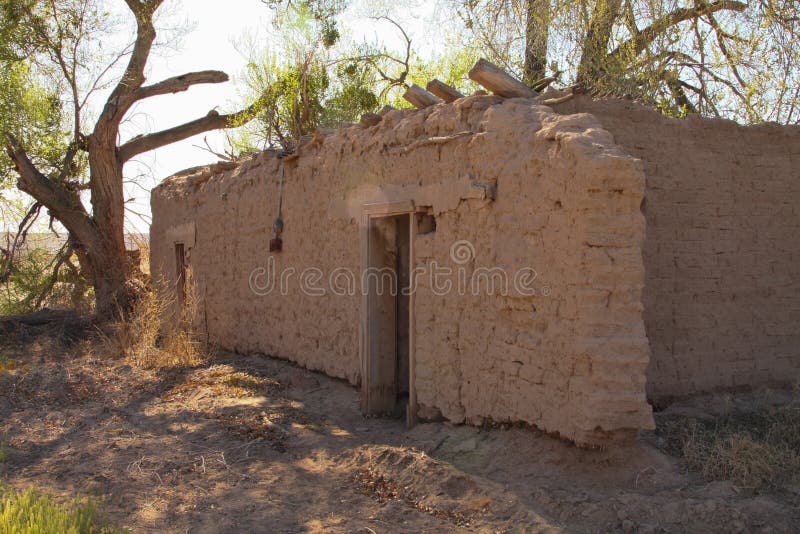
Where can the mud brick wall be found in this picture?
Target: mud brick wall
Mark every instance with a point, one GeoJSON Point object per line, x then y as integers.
{"type": "Point", "coordinates": [570, 359]}
{"type": "Point", "coordinates": [722, 249]}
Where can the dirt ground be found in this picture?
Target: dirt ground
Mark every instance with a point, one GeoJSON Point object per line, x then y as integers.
{"type": "Point", "coordinates": [254, 444]}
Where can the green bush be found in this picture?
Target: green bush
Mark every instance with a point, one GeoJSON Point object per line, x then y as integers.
{"type": "Point", "coordinates": [31, 512]}
{"type": "Point", "coordinates": [30, 280]}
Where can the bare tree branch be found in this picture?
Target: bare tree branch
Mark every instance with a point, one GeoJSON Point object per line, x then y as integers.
{"type": "Point", "coordinates": [61, 258]}
{"type": "Point", "coordinates": [641, 40]}
{"type": "Point", "coordinates": [19, 239]}
{"type": "Point", "coordinates": [63, 203]}
{"type": "Point", "coordinates": [226, 156]}
{"type": "Point", "coordinates": [212, 121]}
{"type": "Point", "coordinates": [133, 77]}
{"type": "Point", "coordinates": [178, 84]}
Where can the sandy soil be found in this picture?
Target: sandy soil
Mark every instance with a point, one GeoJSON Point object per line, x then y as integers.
{"type": "Point", "coordinates": [253, 444]}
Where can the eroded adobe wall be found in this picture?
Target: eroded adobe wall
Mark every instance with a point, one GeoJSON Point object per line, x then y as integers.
{"type": "Point", "coordinates": [569, 358]}
{"type": "Point", "coordinates": [722, 291]}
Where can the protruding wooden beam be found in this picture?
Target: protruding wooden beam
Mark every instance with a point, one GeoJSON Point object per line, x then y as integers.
{"type": "Point", "coordinates": [499, 81]}
{"type": "Point", "coordinates": [420, 98]}
{"type": "Point", "coordinates": [370, 119]}
{"type": "Point", "coordinates": [443, 91]}
{"type": "Point", "coordinates": [385, 109]}
{"type": "Point", "coordinates": [544, 83]}
{"type": "Point", "coordinates": [557, 100]}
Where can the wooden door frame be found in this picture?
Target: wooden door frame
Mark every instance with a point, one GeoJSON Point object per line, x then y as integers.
{"type": "Point", "coordinates": [369, 212]}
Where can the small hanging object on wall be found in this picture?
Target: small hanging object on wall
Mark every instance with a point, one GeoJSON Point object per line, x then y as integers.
{"type": "Point", "coordinates": [276, 243]}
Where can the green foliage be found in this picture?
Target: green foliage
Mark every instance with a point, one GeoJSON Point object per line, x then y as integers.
{"type": "Point", "coordinates": [31, 512]}
{"type": "Point", "coordinates": [32, 113]}
{"type": "Point", "coordinates": [324, 12]}
{"type": "Point", "coordinates": [301, 86]}
{"type": "Point", "coordinates": [451, 68]}
{"type": "Point", "coordinates": [15, 31]}
{"type": "Point", "coordinates": [300, 97]}
{"type": "Point", "coordinates": [50, 63]}
{"type": "Point", "coordinates": [353, 94]}
{"type": "Point", "coordinates": [31, 277]}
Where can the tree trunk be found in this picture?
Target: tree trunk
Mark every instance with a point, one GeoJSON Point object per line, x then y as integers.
{"type": "Point", "coordinates": [105, 248]}
{"type": "Point", "coordinates": [537, 20]}
{"type": "Point", "coordinates": [114, 293]}
{"type": "Point", "coordinates": [595, 46]}
{"type": "Point", "coordinates": [99, 233]}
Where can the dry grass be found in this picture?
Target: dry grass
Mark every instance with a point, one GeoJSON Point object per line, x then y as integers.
{"type": "Point", "coordinates": [225, 381]}
{"type": "Point", "coordinates": [142, 243]}
{"type": "Point", "coordinates": [159, 333]}
{"type": "Point", "coordinates": [756, 448]}
{"type": "Point", "coordinates": [7, 364]}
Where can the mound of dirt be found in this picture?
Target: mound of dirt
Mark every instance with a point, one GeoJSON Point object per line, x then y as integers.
{"type": "Point", "coordinates": [387, 473]}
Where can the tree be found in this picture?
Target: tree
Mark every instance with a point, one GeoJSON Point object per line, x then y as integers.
{"type": "Point", "coordinates": [303, 81]}
{"type": "Point", "coordinates": [309, 81]}
{"type": "Point", "coordinates": [53, 44]}
{"type": "Point", "coordinates": [729, 58]}
{"type": "Point", "coordinates": [324, 12]}
{"type": "Point", "coordinates": [515, 33]}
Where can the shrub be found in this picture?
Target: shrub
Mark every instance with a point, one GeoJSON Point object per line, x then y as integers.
{"type": "Point", "coordinates": [755, 448]}
{"type": "Point", "coordinates": [31, 512]}
{"type": "Point", "coordinates": [30, 284]}
{"type": "Point", "coordinates": [158, 333]}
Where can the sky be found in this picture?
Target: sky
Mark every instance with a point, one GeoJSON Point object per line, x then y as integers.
{"type": "Point", "coordinates": [214, 28]}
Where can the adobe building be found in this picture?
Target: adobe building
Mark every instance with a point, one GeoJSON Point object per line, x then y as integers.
{"type": "Point", "coordinates": [563, 265]}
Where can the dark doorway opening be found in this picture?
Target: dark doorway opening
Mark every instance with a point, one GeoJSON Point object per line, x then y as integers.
{"type": "Point", "coordinates": [180, 273]}
{"type": "Point", "coordinates": [388, 277]}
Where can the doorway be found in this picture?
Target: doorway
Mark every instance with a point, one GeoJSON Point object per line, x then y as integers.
{"type": "Point", "coordinates": [180, 274]}
{"type": "Point", "coordinates": [387, 355]}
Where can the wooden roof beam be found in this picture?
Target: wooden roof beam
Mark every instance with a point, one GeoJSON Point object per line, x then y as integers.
{"type": "Point", "coordinates": [443, 91]}
{"type": "Point", "coordinates": [420, 98]}
{"type": "Point", "coordinates": [499, 81]}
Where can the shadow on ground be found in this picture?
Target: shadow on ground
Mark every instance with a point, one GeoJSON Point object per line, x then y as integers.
{"type": "Point", "coordinates": [248, 443]}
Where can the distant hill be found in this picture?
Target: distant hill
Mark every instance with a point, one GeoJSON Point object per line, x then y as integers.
{"type": "Point", "coordinates": [52, 243]}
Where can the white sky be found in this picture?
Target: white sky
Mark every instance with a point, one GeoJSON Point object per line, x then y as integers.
{"type": "Point", "coordinates": [211, 45]}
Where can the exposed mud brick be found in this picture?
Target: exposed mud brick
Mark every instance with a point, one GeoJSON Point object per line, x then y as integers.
{"type": "Point", "coordinates": [524, 186]}
{"type": "Point", "coordinates": [722, 276]}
